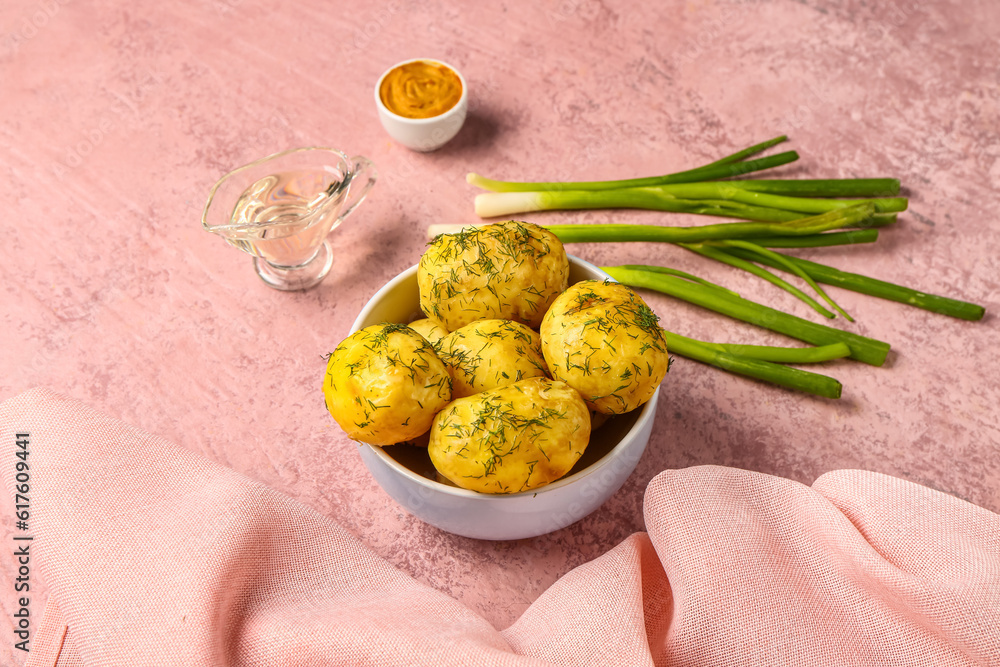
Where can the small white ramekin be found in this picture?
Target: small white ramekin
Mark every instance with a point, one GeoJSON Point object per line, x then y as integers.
{"type": "Point", "coordinates": [423, 134]}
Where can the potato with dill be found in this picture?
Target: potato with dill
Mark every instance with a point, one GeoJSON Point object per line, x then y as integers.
{"type": "Point", "coordinates": [489, 354]}
{"type": "Point", "coordinates": [604, 341]}
{"type": "Point", "coordinates": [384, 384]}
{"type": "Point", "coordinates": [430, 329]}
{"type": "Point", "coordinates": [516, 438]}
{"type": "Point", "coordinates": [507, 270]}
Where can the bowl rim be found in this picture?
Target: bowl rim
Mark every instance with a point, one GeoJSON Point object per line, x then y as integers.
{"type": "Point", "coordinates": [454, 110]}
{"type": "Point", "coordinates": [646, 412]}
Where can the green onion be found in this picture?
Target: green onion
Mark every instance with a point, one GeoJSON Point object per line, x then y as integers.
{"type": "Point", "coordinates": [732, 165]}
{"type": "Point", "coordinates": [700, 191]}
{"type": "Point", "coordinates": [786, 264]}
{"type": "Point", "coordinates": [864, 349]}
{"type": "Point", "coordinates": [722, 256]}
{"type": "Point", "coordinates": [833, 187]}
{"type": "Point", "coordinates": [773, 354]}
{"type": "Point", "coordinates": [502, 204]}
{"type": "Point", "coordinates": [741, 155]}
{"type": "Point", "coordinates": [873, 287]}
{"type": "Point", "coordinates": [730, 192]}
{"type": "Point", "coordinates": [804, 241]}
{"type": "Point", "coordinates": [769, 213]}
{"type": "Point", "coordinates": [837, 219]}
{"type": "Point", "coordinates": [706, 173]}
{"type": "Point", "coordinates": [718, 356]}
{"type": "Point", "coordinates": [819, 240]}
{"type": "Point", "coordinates": [695, 279]}
{"type": "Point", "coordinates": [788, 355]}
{"type": "Point", "coordinates": [718, 198]}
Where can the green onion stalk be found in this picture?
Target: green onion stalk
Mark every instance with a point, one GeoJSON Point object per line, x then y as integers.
{"type": "Point", "coordinates": [836, 219]}
{"type": "Point", "coordinates": [716, 198]}
{"type": "Point", "coordinates": [744, 245]}
{"type": "Point", "coordinates": [732, 165]}
{"type": "Point", "coordinates": [700, 191]}
{"type": "Point", "coordinates": [858, 283]}
{"type": "Point", "coordinates": [862, 348]}
{"type": "Point", "coordinates": [768, 214]}
{"type": "Point", "coordinates": [721, 256]}
{"type": "Point", "coordinates": [765, 362]}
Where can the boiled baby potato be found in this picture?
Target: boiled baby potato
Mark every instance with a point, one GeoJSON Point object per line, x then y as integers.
{"type": "Point", "coordinates": [508, 270]}
{"type": "Point", "coordinates": [488, 354]}
{"type": "Point", "coordinates": [512, 439]}
{"type": "Point", "coordinates": [430, 329]}
{"type": "Point", "coordinates": [604, 341]}
{"type": "Point", "coordinates": [384, 384]}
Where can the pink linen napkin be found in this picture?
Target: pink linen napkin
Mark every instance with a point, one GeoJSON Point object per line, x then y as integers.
{"type": "Point", "coordinates": [156, 556]}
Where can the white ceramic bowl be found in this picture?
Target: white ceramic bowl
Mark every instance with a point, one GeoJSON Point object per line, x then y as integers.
{"type": "Point", "coordinates": [423, 134]}
{"type": "Point", "coordinates": [405, 472]}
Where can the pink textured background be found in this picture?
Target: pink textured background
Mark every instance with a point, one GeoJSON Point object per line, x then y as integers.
{"type": "Point", "coordinates": [116, 118]}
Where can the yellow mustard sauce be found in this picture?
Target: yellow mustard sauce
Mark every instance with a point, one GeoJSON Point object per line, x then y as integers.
{"type": "Point", "coordinates": [421, 89]}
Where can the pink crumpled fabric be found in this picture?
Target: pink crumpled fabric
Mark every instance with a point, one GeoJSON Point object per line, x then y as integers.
{"type": "Point", "coordinates": [156, 556]}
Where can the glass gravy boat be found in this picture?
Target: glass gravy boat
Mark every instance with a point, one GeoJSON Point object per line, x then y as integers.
{"type": "Point", "coordinates": [282, 208]}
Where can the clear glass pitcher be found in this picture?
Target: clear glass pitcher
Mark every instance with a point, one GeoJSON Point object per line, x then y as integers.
{"type": "Point", "coordinates": [282, 208]}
